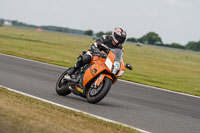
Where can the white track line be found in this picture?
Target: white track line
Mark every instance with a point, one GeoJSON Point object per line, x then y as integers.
{"type": "Point", "coordinates": [32, 60]}
{"type": "Point", "coordinates": [152, 87]}
{"type": "Point", "coordinates": [73, 109]}
{"type": "Point", "coordinates": [161, 89]}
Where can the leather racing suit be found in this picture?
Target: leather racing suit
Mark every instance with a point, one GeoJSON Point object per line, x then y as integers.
{"type": "Point", "coordinates": [96, 47]}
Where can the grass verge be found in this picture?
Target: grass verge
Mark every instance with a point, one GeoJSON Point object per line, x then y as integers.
{"type": "Point", "coordinates": [22, 114]}
{"type": "Point", "coordinates": [171, 69]}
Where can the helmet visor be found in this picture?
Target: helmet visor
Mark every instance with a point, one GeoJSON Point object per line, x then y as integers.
{"type": "Point", "coordinates": [120, 39]}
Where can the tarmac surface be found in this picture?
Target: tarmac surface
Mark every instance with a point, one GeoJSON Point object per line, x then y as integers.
{"type": "Point", "coordinates": [144, 107]}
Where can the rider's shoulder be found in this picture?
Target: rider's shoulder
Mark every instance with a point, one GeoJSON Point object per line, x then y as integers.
{"type": "Point", "coordinates": [107, 38]}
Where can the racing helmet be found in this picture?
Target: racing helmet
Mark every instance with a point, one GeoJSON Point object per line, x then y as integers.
{"type": "Point", "coordinates": [119, 35]}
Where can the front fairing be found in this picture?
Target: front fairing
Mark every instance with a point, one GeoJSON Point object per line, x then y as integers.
{"type": "Point", "coordinates": [99, 65]}
{"type": "Point", "coordinates": [114, 61]}
{"type": "Point", "coordinates": [118, 54]}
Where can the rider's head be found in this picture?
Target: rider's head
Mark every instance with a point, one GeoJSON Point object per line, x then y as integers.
{"type": "Point", "coordinates": [118, 36]}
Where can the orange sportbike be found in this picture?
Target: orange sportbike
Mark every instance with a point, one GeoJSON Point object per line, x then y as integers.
{"type": "Point", "coordinates": [93, 81]}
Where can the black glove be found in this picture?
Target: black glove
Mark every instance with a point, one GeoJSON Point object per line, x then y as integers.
{"type": "Point", "coordinates": [96, 52]}
{"type": "Point", "coordinates": [104, 56]}
{"type": "Point", "coordinates": [104, 48]}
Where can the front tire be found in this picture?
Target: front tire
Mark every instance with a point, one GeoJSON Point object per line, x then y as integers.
{"type": "Point", "coordinates": [61, 86]}
{"type": "Point", "coordinates": [104, 91]}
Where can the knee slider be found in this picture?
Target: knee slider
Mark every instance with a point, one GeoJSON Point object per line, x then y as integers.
{"type": "Point", "coordinates": [86, 58]}
{"type": "Point", "coordinates": [80, 59]}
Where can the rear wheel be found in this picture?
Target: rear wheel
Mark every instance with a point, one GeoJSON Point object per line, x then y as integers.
{"type": "Point", "coordinates": [62, 86]}
{"type": "Point", "coordinates": [95, 95]}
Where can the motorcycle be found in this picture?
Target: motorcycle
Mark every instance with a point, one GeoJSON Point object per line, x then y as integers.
{"type": "Point", "coordinates": [93, 81]}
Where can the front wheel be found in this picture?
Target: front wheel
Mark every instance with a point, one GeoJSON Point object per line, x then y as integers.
{"type": "Point", "coordinates": [105, 87]}
{"type": "Point", "coordinates": [61, 85]}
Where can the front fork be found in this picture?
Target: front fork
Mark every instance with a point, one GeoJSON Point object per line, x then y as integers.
{"type": "Point", "coordinates": [97, 86]}
{"type": "Point", "coordinates": [100, 79]}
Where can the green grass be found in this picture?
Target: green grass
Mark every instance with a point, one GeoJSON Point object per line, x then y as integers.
{"type": "Point", "coordinates": [22, 114]}
{"type": "Point", "coordinates": [171, 69]}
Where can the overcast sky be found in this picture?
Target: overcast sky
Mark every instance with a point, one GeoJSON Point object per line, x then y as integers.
{"type": "Point", "coordinates": [174, 20]}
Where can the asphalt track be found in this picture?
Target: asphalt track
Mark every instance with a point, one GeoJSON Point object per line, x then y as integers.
{"type": "Point", "coordinates": [140, 106]}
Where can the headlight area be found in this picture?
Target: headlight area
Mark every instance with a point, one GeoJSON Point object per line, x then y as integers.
{"type": "Point", "coordinates": [116, 67]}
{"type": "Point", "coordinates": [121, 73]}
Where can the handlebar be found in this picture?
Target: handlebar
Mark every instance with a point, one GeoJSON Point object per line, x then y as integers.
{"type": "Point", "coordinates": [106, 49]}
{"type": "Point", "coordinates": [100, 55]}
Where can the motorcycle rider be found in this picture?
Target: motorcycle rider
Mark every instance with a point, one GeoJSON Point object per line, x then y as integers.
{"type": "Point", "coordinates": [111, 41]}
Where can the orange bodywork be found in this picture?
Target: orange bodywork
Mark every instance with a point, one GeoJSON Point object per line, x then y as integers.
{"type": "Point", "coordinates": [122, 68]}
{"type": "Point", "coordinates": [98, 65]}
{"type": "Point", "coordinates": [100, 78]}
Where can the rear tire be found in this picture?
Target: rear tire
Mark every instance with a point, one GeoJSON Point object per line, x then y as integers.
{"type": "Point", "coordinates": [103, 92]}
{"type": "Point", "coordinates": [62, 88]}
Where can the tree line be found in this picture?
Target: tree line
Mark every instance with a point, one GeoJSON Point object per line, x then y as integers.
{"type": "Point", "coordinates": [154, 39]}
{"type": "Point", "coordinates": [50, 28]}
{"type": "Point", "coordinates": [151, 38]}
{"type": "Point", "coordinates": [98, 34]}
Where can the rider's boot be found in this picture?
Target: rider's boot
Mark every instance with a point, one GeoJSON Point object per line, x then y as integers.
{"type": "Point", "coordinates": [82, 60]}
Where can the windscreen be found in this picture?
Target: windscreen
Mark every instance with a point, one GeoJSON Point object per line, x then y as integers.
{"type": "Point", "coordinates": [118, 54]}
